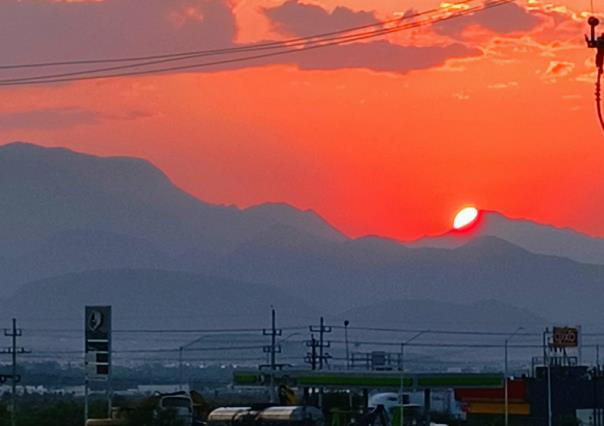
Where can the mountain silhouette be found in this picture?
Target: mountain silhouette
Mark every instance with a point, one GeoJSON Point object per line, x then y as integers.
{"type": "Point", "coordinates": [66, 215]}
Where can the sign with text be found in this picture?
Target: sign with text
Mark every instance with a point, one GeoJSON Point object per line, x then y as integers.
{"type": "Point", "coordinates": [565, 337]}
{"type": "Point", "coordinates": [98, 342]}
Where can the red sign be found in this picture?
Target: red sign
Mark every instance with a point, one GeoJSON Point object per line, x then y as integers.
{"type": "Point", "coordinates": [565, 337]}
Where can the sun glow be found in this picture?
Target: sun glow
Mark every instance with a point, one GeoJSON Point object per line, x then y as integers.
{"type": "Point", "coordinates": [465, 218]}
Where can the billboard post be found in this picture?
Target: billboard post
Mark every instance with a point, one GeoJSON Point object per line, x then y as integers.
{"type": "Point", "coordinates": [97, 356]}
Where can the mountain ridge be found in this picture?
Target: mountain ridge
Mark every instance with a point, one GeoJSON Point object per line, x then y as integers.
{"type": "Point", "coordinates": [121, 226]}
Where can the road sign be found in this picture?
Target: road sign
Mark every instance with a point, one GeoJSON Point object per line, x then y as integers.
{"type": "Point", "coordinates": [565, 337]}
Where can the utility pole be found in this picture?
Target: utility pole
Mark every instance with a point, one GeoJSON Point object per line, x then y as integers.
{"type": "Point", "coordinates": [15, 378]}
{"type": "Point", "coordinates": [322, 329]}
{"type": "Point", "coordinates": [346, 324]}
{"type": "Point", "coordinates": [323, 356]}
{"type": "Point", "coordinates": [311, 358]}
{"type": "Point", "coordinates": [273, 349]}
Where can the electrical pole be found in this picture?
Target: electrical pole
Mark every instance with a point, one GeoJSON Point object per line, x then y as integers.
{"type": "Point", "coordinates": [346, 324]}
{"type": "Point", "coordinates": [323, 356]}
{"type": "Point", "coordinates": [273, 349]}
{"type": "Point", "coordinates": [322, 329]}
{"type": "Point", "coordinates": [311, 358]}
{"type": "Point", "coordinates": [15, 378]}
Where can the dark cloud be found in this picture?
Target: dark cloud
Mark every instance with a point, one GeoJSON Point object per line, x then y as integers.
{"type": "Point", "coordinates": [383, 56]}
{"type": "Point", "coordinates": [293, 17]}
{"type": "Point", "coordinates": [42, 30]}
{"type": "Point", "coordinates": [505, 19]}
{"type": "Point", "coordinates": [37, 30]}
{"type": "Point", "coordinates": [296, 18]}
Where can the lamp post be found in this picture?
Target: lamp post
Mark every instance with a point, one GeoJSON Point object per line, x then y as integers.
{"type": "Point", "coordinates": [180, 375]}
{"type": "Point", "coordinates": [289, 336]}
{"type": "Point", "coordinates": [505, 379]}
{"type": "Point", "coordinates": [346, 324]}
{"type": "Point", "coordinates": [402, 366]}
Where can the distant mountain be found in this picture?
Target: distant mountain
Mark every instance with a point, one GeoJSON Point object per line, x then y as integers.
{"type": "Point", "coordinates": [344, 275]}
{"type": "Point", "coordinates": [147, 298]}
{"type": "Point", "coordinates": [537, 238]}
{"type": "Point", "coordinates": [128, 211]}
{"type": "Point", "coordinates": [429, 314]}
{"type": "Point", "coordinates": [69, 213]}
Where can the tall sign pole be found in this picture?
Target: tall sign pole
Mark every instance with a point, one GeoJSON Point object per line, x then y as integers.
{"type": "Point", "coordinates": [97, 359]}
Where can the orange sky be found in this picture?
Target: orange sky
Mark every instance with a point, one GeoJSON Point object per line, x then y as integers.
{"type": "Point", "coordinates": [395, 154]}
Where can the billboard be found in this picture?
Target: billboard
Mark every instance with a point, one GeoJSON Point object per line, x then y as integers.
{"type": "Point", "coordinates": [98, 342]}
{"type": "Point", "coordinates": [565, 337]}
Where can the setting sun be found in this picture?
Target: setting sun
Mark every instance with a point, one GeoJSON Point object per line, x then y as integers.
{"type": "Point", "coordinates": [465, 218]}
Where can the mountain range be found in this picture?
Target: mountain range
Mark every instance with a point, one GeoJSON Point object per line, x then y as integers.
{"type": "Point", "coordinates": [80, 229]}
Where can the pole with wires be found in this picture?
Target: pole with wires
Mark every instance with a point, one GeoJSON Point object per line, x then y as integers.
{"type": "Point", "coordinates": [13, 350]}
{"type": "Point", "coordinates": [597, 42]}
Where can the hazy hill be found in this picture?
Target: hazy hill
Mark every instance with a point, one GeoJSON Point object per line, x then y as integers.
{"type": "Point", "coordinates": [146, 298]}
{"type": "Point", "coordinates": [429, 314]}
{"type": "Point", "coordinates": [65, 212]}
{"type": "Point", "coordinates": [341, 276]}
{"type": "Point", "coordinates": [124, 211]}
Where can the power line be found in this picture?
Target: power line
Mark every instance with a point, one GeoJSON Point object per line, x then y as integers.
{"type": "Point", "coordinates": [444, 332]}
{"type": "Point", "coordinates": [58, 78]}
{"type": "Point", "coordinates": [209, 52]}
{"type": "Point", "coordinates": [307, 42]}
{"type": "Point", "coordinates": [38, 331]}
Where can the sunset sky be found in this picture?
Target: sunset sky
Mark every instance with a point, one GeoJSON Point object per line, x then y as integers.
{"type": "Point", "coordinates": [387, 137]}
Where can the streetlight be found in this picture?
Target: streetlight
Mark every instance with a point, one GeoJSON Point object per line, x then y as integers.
{"type": "Point", "coordinates": [506, 403]}
{"type": "Point", "coordinates": [286, 338]}
{"type": "Point", "coordinates": [346, 324]}
{"type": "Point", "coordinates": [416, 336]}
{"type": "Point", "coordinates": [180, 375]}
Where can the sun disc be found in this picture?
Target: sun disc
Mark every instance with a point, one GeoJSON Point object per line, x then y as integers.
{"type": "Point", "coordinates": [465, 218]}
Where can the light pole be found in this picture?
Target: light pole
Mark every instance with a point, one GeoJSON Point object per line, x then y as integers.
{"type": "Point", "coordinates": [505, 378]}
{"type": "Point", "coordinates": [402, 366]}
{"type": "Point", "coordinates": [346, 324]}
{"type": "Point", "coordinates": [181, 351]}
{"type": "Point", "coordinates": [180, 376]}
{"type": "Point", "coordinates": [289, 336]}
